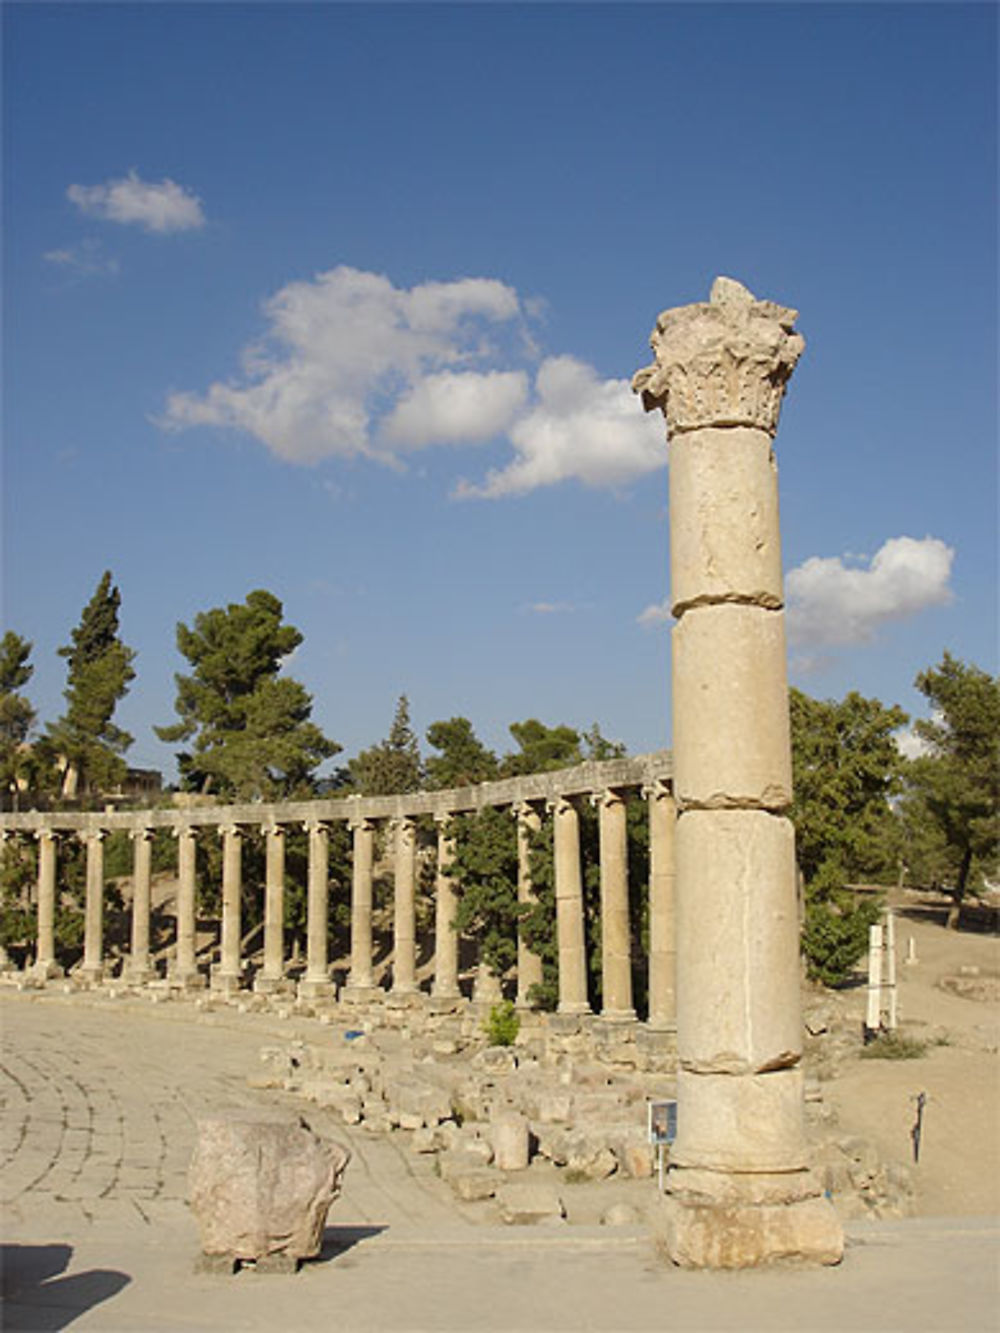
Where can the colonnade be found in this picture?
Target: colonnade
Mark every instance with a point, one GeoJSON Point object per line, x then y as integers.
{"type": "Point", "coordinates": [606, 785]}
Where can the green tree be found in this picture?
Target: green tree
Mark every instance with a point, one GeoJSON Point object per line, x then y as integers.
{"type": "Point", "coordinates": [541, 748]}
{"type": "Point", "coordinates": [847, 768]}
{"type": "Point", "coordinates": [250, 725]}
{"type": "Point", "coordinates": [463, 760]}
{"type": "Point", "coordinates": [485, 874]}
{"type": "Point", "coordinates": [98, 674]}
{"type": "Point", "coordinates": [394, 765]}
{"type": "Point", "coordinates": [17, 717]}
{"type": "Point", "coordinates": [954, 789]}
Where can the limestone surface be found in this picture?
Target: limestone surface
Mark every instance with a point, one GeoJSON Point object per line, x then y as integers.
{"type": "Point", "coordinates": [261, 1185]}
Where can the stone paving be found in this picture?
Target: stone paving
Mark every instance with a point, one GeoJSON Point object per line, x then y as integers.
{"type": "Point", "coordinates": [100, 1099]}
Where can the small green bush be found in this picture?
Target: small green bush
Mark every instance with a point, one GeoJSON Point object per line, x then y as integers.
{"type": "Point", "coordinates": [893, 1046]}
{"type": "Point", "coordinates": [502, 1025]}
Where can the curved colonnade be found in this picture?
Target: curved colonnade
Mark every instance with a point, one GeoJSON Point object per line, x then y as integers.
{"type": "Point", "coordinates": [605, 784]}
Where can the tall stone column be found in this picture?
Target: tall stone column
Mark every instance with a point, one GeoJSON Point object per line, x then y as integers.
{"type": "Point", "coordinates": [45, 965]}
{"type": "Point", "coordinates": [316, 981]}
{"type": "Point", "coordinates": [184, 972]}
{"type": "Point", "coordinates": [445, 985]}
{"type": "Point", "coordinates": [139, 970]}
{"type": "Point", "coordinates": [738, 1190]}
{"type": "Point", "coordinates": [92, 968]}
{"type": "Point", "coordinates": [569, 909]}
{"type": "Point", "coordinates": [272, 974]}
{"type": "Point", "coordinates": [361, 982]}
{"type": "Point", "coordinates": [228, 975]}
{"type": "Point", "coordinates": [404, 908]}
{"type": "Point", "coordinates": [529, 964]}
{"type": "Point", "coordinates": [616, 934]}
{"type": "Point", "coordinates": [662, 909]}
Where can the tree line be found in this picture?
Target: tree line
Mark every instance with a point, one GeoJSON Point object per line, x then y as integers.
{"type": "Point", "coordinates": [863, 813]}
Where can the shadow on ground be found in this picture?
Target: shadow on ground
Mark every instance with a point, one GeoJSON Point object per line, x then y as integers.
{"type": "Point", "coordinates": [337, 1241]}
{"type": "Point", "coordinates": [34, 1296]}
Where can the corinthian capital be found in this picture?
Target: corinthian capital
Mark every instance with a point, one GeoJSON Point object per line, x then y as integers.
{"type": "Point", "coordinates": [721, 362]}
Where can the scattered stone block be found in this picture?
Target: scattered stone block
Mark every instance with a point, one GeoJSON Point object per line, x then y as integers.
{"type": "Point", "coordinates": [511, 1142]}
{"type": "Point", "coordinates": [530, 1205]}
{"type": "Point", "coordinates": [474, 1185]}
{"type": "Point", "coordinates": [261, 1184]}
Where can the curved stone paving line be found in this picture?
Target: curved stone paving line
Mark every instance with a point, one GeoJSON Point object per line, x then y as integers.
{"type": "Point", "coordinates": [100, 1103]}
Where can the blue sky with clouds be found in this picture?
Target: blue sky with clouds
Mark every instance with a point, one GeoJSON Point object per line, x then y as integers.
{"type": "Point", "coordinates": [343, 300]}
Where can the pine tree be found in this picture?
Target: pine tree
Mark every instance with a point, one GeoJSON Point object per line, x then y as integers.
{"type": "Point", "coordinates": [250, 725]}
{"type": "Point", "coordinates": [394, 765]}
{"type": "Point", "coordinates": [17, 717]}
{"type": "Point", "coordinates": [98, 674]}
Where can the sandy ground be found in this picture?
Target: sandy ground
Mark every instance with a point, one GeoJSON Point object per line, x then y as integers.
{"type": "Point", "coordinates": [959, 1165]}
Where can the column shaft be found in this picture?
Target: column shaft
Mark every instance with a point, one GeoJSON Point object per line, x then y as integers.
{"type": "Point", "coordinates": [404, 914]}
{"type": "Point", "coordinates": [139, 969]}
{"type": "Point", "coordinates": [228, 974]}
{"type": "Point", "coordinates": [616, 935]}
{"type": "Point", "coordinates": [361, 978]}
{"type": "Point", "coordinates": [93, 923]}
{"type": "Point", "coordinates": [274, 909]}
{"type": "Point", "coordinates": [45, 951]}
{"type": "Point", "coordinates": [569, 910]}
{"type": "Point", "coordinates": [445, 935]}
{"type": "Point", "coordinates": [529, 964]}
{"type": "Point", "coordinates": [185, 970]}
{"type": "Point", "coordinates": [662, 910]}
{"type": "Point", "coordinates": [316, 981]}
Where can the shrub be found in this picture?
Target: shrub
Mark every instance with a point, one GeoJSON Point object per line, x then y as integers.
{"type": "Point", "coordinates": [502, 1025]}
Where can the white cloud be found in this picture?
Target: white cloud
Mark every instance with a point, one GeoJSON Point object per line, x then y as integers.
{"type": "Point", "coordinates": [352, 365]}
{"type": "Point", "coordinates": [551, 608]}
{"type": "Point", "coordinates": [580, 427]}
{"type": "Point", "coordinates": [910, 745]}
{"type": "Point", "coordinates": [85, 260]}
{"type": "Point", "coordinates": [830, 602]}
{"type": "Point", "coordinates": [161, 207]}
{"type": "Point", "coordinates": [656, 614]}
{"type": "Point", "coordinates": [450, 408]}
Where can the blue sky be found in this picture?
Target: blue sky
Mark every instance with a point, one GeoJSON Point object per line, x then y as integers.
{"type": "Point", "coordinates": [342, 301]}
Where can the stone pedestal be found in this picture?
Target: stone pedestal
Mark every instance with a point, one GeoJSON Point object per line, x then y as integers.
{"type": "Point", "coordinates": [738, 1192]}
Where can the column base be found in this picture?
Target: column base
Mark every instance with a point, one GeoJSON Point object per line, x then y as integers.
{"type": "Point", "coordinates": [265, 985]}
{"type": "Point", "coordinates": [137, 974]}
{"type": "Point", "coordinates": [193, 980]}
{"type": "Point", "coordinates": [225, 983]}
{"type": "Point", "coordinates": [405, 997]}
{"type": "Point", "coordinates": [317, 988]}
{"type": "Point", "coordinates": [709, 1219]}
{"type": "Point", "coordinates": [357, 994]}
{"type": "Point", "coordinates": [445, 1002]}
{"type": "Point", "coordinates": [90, 974]}
{"type": "Point", "coordinates": [47, 971]}
{"type": "Point", "coordinates": [574, 1008]}
{"type": "Point", "coordinates": [616, 1017]}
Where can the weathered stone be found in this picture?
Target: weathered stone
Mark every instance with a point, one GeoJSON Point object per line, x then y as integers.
{"type": "Point", "coordinates": [734, 1123]}
{"type": "Point", "coordinates": [475, 1184]}
{"type": "Point", "coordinates": [739, 864]}
{"type": "Point", "coordinates": [511, 1142]}
{"type": "Point", "coordinates": [529, 1205]}
{"type": "Point", "coordinates": [709, 1236]}
{"type": "Point", "coordinates": [619, 1215]}
{"type": "Point", "coordinates": [261, 1184]}
{"type": "Point", "coordinates": [731, 729]}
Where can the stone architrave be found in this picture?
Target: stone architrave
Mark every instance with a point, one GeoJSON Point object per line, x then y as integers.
{"type": "Point", "coordinates": [738, 1191]}
{"type": "Point", "coordinates": [569, 909]}
{"type": "Point", "coordinates": [92, 968]}
{"type": "Point", "coordinates": [662, 911]}
{"type": "Point", "coordinates": [228, 975]}
{"type": "Point", "coordinates": [529, 964]}
{"type": "Point", "coordinates": [184, 972]}
{"type": "Point", "coordinates": [445, 985]}
{"type": "Point", "coordinates": [404, 908]}
{"type": "Point", "coordinates": [616, 935]}
{"type": "Point", "coordinates": [316, 981]}
{"type": "Point", "coordinates": [45, 966]}
{"type": "Point", "coordinates": [272, 974]}
{"type": "Point", "coordinates": [261, 1184]}
{"type": "Point", "coordinates": [361, 981]}
{"type": "Point", "coordinates": [139, 970]}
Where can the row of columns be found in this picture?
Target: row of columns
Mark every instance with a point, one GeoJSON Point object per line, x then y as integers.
{"type": "Point", "coordinates": [227, 974]}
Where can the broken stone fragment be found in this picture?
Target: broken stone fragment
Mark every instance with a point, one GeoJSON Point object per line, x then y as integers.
{"type": "Point", "coordinates": [261, 1185]}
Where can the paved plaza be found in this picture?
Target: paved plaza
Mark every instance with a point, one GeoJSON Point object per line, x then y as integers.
{"type": "Point", "coordinates": [100, 1099]}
